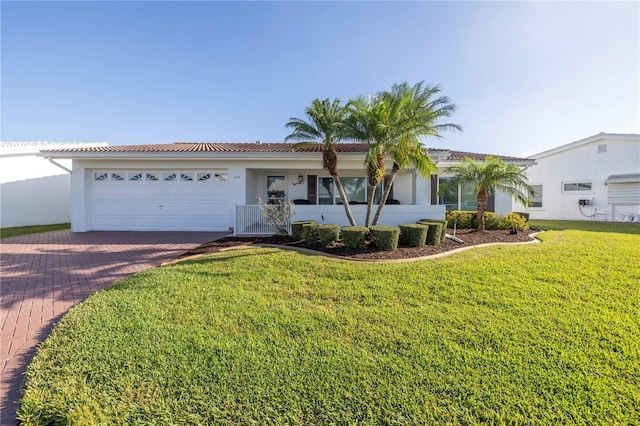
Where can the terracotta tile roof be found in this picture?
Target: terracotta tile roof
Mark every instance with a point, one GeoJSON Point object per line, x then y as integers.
{"type": "Point", "coordinates": [459, 155]}
{"type": "Point", "coordinates": [273, 147]}
{"type": "Point", "coordinates": [217, 147]}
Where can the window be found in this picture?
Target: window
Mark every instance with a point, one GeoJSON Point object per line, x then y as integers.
{"type": "Point", "coordinates": [220, 177]}
{"type": "Point", "coordinates": [325, 191]}
{"type": "Point", "coordinates": [186, 177]}
{"type": "Point", "coordinates": [100, 176]}
{"type": "Point", "coordinates": [576, 186]}
{"type": "Point", "coordinates": [536, 200]}
{"type": "Point", "coordinates": [456, 196]}
{"type": "Point", "coordinates": [448, 193]}
{"type": "Point", "coordinates": [117, 176]}
{"type": "Point", "coordinates": [468, 199]}
{"type": "Point", "coordinates": [135, 176]}
{"type": "Point", "coordinates": [204, 176]}
{"type": "Point", "coordinates": [275, 189]}
{"type": "Point", "coordinates": [153, 176]}
{"type": "Point", "coordinates": [355, 189]}
{"type": "Point", "coordinates": [169, 176]}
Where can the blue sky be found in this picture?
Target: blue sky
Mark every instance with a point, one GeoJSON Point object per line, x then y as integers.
{"type": "Point", "coordinates": [526, 76]}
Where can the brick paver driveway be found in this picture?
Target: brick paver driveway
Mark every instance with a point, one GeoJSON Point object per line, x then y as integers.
{"type": "Point", "coordinates": [43, 275]}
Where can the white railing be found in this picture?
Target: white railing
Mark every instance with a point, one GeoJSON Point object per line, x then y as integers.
{"type": "Point", "coordinates": [250, 221]}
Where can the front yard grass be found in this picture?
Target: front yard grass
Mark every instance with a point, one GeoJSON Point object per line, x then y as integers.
{"type": "Point", "coordinates": [538, 334]}
{"type": "Point", "coordinates": [584, 225]}
{"type": "Point", "coordinates": [16, 231]}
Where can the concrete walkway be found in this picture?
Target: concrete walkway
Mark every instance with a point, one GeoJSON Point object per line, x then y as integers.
{"type": "Point", "coordinates": [43, 275]}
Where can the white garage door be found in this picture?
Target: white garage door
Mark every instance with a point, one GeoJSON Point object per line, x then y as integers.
{"type": "Point", "coordinates": [160, 200]}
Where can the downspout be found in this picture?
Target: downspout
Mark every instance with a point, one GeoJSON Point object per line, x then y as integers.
{"type": "Point", "coordinates": [58, 164]}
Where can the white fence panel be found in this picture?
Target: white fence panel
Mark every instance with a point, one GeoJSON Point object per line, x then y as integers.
{"type": "Point", "coordinates": [250, 221]}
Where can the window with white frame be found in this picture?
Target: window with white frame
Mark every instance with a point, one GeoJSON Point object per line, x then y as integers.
{"type": "Point", "coordinates": [535, 201]}
{"type": "Point", "coordinates": [577, 186]}
{"type": "Point", "coordinates": [355, 188]}
{"type": "Point", "coordinates": [456, 196]}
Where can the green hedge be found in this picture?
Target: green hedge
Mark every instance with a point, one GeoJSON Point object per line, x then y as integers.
{"type": "Point", "coordinates": [524, 215]}
{"type": "Point", "coordinates": [444, 223]}
{"type": "Point", "coordinates": [327, 234]}
{"type": "Point", "coordinates": [310, 233]}
{"type": "Point", "coordinates": [492, 221]}
{"type": "Point", "coordinates": [296, 228]}
{"type": "Point", "coordinates": [413, 234]}
{"type": "Point", "coordinates": [354, 236]}
{"type": "Point", "coordinates": [434, 233]}
{"type": "Point", "coordinates": [385, 237]}
{"type": "Point", "coordinates": [463, 219]}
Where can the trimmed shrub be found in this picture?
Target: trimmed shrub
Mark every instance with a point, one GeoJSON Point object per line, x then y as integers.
{"type": "Point", "coordinates": [524, 215]}
{"type": "Point", "coordinates": [310, 233]}
{"type": "Point", "coordinates": [434, 233]}
{"type": "Point", "coordinates": [413, 234]}
{"type": "Point", "coordinates": [327, 234]}
{"type": "Point", "coordinates": [492, 221]}
{"type": "Point", "coordinates": [516, 221]}
{"type": "Point", "coordinates": [465, 219]}
{"type": "Point", "coordinates": [354, 236]}
{"type": "Point", "coordinates": [444, 223]}
{"type": "Point", "coordinates": [385, 237]}
{"type": "Point", "coordinates": [296, 228]}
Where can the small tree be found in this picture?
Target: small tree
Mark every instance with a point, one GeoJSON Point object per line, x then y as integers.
{"type": "Point", "coordinates": [491, 175]}
{"type": "Point", "coordinates": [277, 215]}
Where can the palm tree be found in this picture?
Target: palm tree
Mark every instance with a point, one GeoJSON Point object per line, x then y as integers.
{"type": "Point", "coordinates": [392, 124]}
{"type": "Point", "coordinates": [417, 114]}
{"type": "Point", "coordinates": [370, 121]}
{"type": "Point", "coordinates": [326, 127]}
{"type": "Point", "coordinates": [491, 175]}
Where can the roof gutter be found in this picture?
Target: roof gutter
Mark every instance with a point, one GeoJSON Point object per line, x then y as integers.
{"type": "Point", "coordinates": [58, 164]}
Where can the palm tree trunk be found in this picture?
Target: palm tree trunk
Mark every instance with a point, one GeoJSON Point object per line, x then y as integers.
{"type": "Point", "coordinates": [387, 191]}
{"type": "Point", "coordinates": [372, 193]}
{"type": "Point", "coordinates": [483, 200]}
{"type": "Point", "coordinates": [345, 202]}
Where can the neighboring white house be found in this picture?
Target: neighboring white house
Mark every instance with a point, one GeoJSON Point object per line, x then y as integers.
{"type": "Point", "coordinates": [597, 178]}
{"type": "Point", "coordinates": [34, 191]}
{"type": "Point", "coordinates": [213, 186]}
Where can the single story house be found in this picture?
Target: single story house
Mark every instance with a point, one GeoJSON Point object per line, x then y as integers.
{"type": "Point", "coordinates": [34, 190]}
{"type": "Point", "coordinates": [596, 178]}
{"type": "Point", "coordinates": [213, 186]}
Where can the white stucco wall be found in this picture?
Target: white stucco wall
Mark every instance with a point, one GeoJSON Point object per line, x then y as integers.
{"type": "Point", "coordinates": [33, 191]}
{"type": "Point", "coordinates": [581, 162]}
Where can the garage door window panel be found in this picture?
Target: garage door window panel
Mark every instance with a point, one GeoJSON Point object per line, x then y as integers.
{"type": "Point", "coordinates": [119, 177]}
{"type": "Point", "coordinates": [169, 177]}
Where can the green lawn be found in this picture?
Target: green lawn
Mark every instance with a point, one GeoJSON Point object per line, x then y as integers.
{"type": "Point", "coordinates": [36, 229]}
{"type": "Point", "coordinates": [562, 225]}
{"type": "Point", "coordinates": [537, 334]}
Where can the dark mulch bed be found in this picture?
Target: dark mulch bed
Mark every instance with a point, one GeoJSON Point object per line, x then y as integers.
{"type": "Point", "coordinates": [470, 238]}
